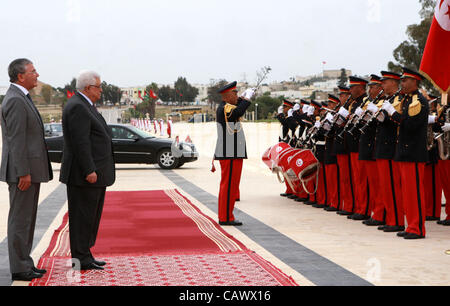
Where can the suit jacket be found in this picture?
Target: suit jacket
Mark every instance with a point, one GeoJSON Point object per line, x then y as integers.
{"type": "Point", "coordinates": [24, 150]}
{"type": "Point", "coordinates": [87, 145]}
{"type": "Point", "coordinates": [231, 142]}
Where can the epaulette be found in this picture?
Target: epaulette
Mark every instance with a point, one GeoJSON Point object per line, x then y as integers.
{"type": "Point", "coordinates": [398, 103]}
{"type": "Point", "coordinates": [381, 102]}
{"type": "Point", "coordinates": [228, 109]}
{"type": "Point", "coordinates": [365, 103]}
{"type": "Point", "coordinates": [415, 107]}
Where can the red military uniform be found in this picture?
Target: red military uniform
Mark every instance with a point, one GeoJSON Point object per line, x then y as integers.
{"type": "Point", "coordinates": [388, 170]}
{"type": "Point", "coordinates": [412, 155]}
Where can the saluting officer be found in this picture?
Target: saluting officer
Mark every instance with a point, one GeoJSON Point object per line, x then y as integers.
{"type": "Point", "coordinates": [231, 148]}
{"type": "Point", "coordinates": [411, 151]}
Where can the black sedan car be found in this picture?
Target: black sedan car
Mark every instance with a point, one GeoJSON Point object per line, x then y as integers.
{"type": "Point", "coordinates": [134, 146]}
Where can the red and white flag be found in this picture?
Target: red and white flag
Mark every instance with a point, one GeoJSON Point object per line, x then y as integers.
{"type": "Point", "coordinates": [436, 59]}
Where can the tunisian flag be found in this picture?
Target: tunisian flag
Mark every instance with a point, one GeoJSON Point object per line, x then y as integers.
{"type": "Point", "coordinates": [436, 57]}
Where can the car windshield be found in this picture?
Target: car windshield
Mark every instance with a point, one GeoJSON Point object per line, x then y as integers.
{"type": "Point", "coordinates": [139, 132]}
{"type": "Point", "coordinates": [57, 127]}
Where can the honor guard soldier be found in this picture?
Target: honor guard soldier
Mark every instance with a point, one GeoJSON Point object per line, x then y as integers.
{"type": "Point", "coordinates": [285, 113]}
{"type": "Point", "coordinates": [349, 163]}
{"type": "Point", "coordinates": [331, 173]}
{"type": "Point", "coordinates": [432, 182]}
{"type": "Point", "coordinates": [442, 128]}
{"type": "Point", "coordinates": [231, 148]}
{"type": "Point", "coordinates": [368, 193]}
{"type": "Point", "coordinates": [411, 151]}
{"type": "Point", "coordinates": [388, 169]}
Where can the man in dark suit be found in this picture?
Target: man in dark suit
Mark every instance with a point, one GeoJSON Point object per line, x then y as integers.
{"type": "Point", "coordinates": [87, 167]}
{"type": "Point", "coordinates": [25, 165]}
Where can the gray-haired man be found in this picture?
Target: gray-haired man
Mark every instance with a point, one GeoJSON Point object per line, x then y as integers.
{"type": "Point", "coordinates": [25, 165]}
{"type": "Point", "coordinates": [87, 167]}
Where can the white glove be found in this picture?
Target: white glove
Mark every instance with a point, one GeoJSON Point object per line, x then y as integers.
{"type": "Point", "coordinates": [249, 93]}
{"type": "Point", "coordinates": [446, 127]}
{"type": "Point", "coordinates": [431, 119]}
{"type": "Point", "coordinates": [296, 107]}
{"type": "Point", "coordinates": [311, 110]}
{"type": "Point", "coordinates": [343, 112]}
{"type": "Point", "coordinates": [388, 107]}
{"type": "Point", "coordinates": [290, 112]}
{"type": "Point", "coordinates": [329, 117]}
{"type": "Point", "coordinates": [317, 124]}
{"type": "Point", "coordinates": [305, 108]}
{"type": "Point", "coordinates": [372, 108]}
{"type": "Point", "coordinates": [280, 109]}
{"type": "Point", "coordinates": [359, 111]}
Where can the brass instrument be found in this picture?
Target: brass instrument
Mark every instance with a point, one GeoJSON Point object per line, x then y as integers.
{"type": "Point", "coordinates": [365, 117]}
{"type": "Point", "coordinates": [338, 119]}
{"type": "Point", "coordinates": [443, 139]}
{"type": "Point", "coordinates": [377, 114]}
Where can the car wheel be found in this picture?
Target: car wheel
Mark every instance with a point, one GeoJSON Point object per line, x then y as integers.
{"type": "Point", "coordinates": [166, 160]}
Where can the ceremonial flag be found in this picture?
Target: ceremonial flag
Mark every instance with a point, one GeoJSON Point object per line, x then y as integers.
{"type": "Point", "coordinates": [436, 59]}
{"type": "Point", "coordinates": [152, 94]}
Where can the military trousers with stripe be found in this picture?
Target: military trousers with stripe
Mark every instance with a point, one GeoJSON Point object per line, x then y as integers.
{"type": "Point", "coordinates": [231, 171]}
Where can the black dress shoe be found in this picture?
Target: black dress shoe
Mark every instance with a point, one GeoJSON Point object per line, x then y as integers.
{"type": "Point", "coordinates": [331, 208]}
{"type": "Point", "coordinates": [317, 205]}
{"type": "Point", "coordinates": [402, 234]}
{"type": "Point", "coordinates": [301, 199]}
{"type": "Point", "coordinates": [25, 276]}
{"type": "Point", "coordinates": [292, 197]}
{"type": "Point", "coordinates": [432, 219]}
{"type": "Point", "coordinates": [373, 222]}
{"type": "Point", "coordinates": [285, 194]}
{"type": "Point", "coordinates": [444, 222]}
{"type": "Point", "coordinates": [359, 217]}
{"type": "Point", "coordinates": [231, 223]}
{"type": "Point", "coordinates": [91, 266]}
{"type": "Point", "coordinates": [100, 263]}
{"type": "Point", "coordinates": [344, 213]}
{"type": "Point", "coordinates": [310, 202]}
{"type": "Point", "coordinates": [382, 227]}
{"type": "Point", "coordinates": [36, 270]}
{"type": "Point", "coordinates": [413, 236]}
{"type": "Point", "coordinates": [393, 229]}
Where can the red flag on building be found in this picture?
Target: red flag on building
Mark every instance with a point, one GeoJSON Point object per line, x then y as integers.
{"type": "Point", "coordinates": [436, 59]}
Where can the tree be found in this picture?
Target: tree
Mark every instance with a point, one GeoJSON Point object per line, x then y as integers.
{"type": "Point", "coordinates": [266, 106]}
{"type": "Point", "coordinates": [111, 93]}
{"type": "Point", "coordinates": [343, 78]}
{"type": "Point", "coordinates": [166, 94]}
{"type": "Point", "coordinates": [46, 93]}
{"type": "Point", "coordinates": [409, 53]}
{"type": "Point", "coordinates": [151, 101]}
{"type": "Point", "coordinates": [214, 97]}
{"type": "Point", "coordinates": [185, 92]}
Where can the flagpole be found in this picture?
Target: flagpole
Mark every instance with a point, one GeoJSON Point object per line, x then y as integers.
{"type": "Point", "coordinates": [444, 98]}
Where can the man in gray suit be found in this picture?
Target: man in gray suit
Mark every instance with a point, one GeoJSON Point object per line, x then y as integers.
{"type": "Point", "coordinates": [25, 165]}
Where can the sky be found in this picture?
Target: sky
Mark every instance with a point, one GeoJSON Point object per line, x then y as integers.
{"type": "Point", "coordinates": [137, 42]}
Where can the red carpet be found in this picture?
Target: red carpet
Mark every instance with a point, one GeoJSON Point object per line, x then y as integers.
{"type": "Point", "coordinates": [156, 238]}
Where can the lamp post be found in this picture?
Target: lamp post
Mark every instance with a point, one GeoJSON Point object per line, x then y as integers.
{"type": "Point", "coordinates": [256, 110]}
